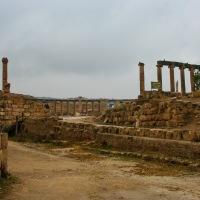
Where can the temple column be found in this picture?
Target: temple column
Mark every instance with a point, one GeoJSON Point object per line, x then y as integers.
{"type": "Point", "coordinates": [74, 113]}
{"type": "Point", "coordinates": [142, 86]}
{"type": "Point", "coordinates": [171, 72]}
{"type": "Point", "coordinates": [80, 104]}
{"type": "Point", "coordinates": [192, 79]}
{"type": "Point", "coordinates": [159, 75]}
{"type": "Point", "coordinates": [182, 74]}
{"type": "Point", "coordinates": [5, 84]}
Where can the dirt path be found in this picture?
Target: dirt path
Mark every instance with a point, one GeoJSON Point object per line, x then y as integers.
{"type": "Point", "coordinates": [44, 176]}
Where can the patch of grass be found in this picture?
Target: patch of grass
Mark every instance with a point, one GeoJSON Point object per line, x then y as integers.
{"type": "Point", "coordinates": [6, 185]}
{"type": "Point", "coordinates": [163, 169]}
{"type": "Point", "coordinates": [148, 167]}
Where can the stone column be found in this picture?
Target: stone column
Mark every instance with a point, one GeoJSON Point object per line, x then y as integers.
{"type": "Point", "coordinates": [182, 73]}
{"type": "Point", "coordinates": [159, 75]}
{"type": "Point", "coordinates": [74, 113]}
{"type": "Point", "coordinates": [80, 105]}
{"type": "Point", "coordinates": [176, 86]}
{"type": "Point", "coordinates": [5, 84]}
{"type": "Point", "coordinates": [171, 72]}
{"type": "Point", "coordinates": [86, 107]}
{"type": "Point", "coordinates": [192, 79]}
{"type": "Point", "coordinates": [142, 85]}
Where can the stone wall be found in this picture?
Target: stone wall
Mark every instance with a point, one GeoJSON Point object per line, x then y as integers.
{"type": "Point", "coordinates": [153, 113]}
{"type": "Point", "coordinates": [159, 94]}
{"type": "Point", "coordinates": [182, 143]}
{"type": "Point", "coordinates": [3, 155]}
{"type": "Point", "coordinates": [14, 105]}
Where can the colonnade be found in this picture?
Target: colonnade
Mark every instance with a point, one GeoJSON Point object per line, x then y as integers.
{"type": "Point", "coordinates": [171, 66]}
{"type": "Point", "coordinates": [78, 106]}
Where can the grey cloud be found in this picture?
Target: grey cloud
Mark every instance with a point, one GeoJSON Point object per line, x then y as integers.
{"type": "Point", "coordinates": [85, 38]}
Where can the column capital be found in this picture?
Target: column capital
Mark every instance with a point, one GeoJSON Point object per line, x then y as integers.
{"type": "Point", "coordinates": [182, 67]}
{"type": "Point", "coordinates": [140, 64]}
{"type": "Point", "coordinates": [5, 60]}
{"type": "Point", "coordinates": [171, 66]}
{"type": "Point", "coordinates": [191, 68]}
{"type": "Point", "coordinates": [159, 65]}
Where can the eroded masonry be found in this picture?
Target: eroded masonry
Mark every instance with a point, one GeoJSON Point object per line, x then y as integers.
{"type": "Point", "coordinates": [164, 122]}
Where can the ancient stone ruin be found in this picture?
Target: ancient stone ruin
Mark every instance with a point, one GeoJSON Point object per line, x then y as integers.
{"type": "Point", "coordinates": [171, 65]}
{"type": "Point", "coordinates": [158, 121]}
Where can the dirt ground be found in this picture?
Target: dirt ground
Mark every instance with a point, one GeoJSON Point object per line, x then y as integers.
{"type": "Point", "coordinates": [55, 176]}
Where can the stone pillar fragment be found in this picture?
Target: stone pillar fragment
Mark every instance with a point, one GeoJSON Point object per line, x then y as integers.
{"type": "Point", "coordinates": [182, 74]}
{"type": "Point", "coordinates": [142, 85]}
{"type": "Point", "coordinates": [159, 75]}
{"type": "Point", "coordinates": [192, 79]}
{"type": "Point", "coordinates": [171, 72]}
{"type": "Point", "coordinates": [5, 84]}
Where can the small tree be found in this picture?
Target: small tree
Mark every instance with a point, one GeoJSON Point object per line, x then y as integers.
{"type": "Point", "coordinates": [197, 79]}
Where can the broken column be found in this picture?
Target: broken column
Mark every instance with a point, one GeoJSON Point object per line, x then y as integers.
{"type": "Point", "coordinates": [192, 79]}
{"type": "Point", "coordinates": [142, 86]}
{"type": "Point", "coordinates": [182, 74]}
{"type": "Point", "coordinates": [5, 84]}
{"type": "Point", "coordinates": [159, 75]}
{"type": "Point", "coordinates": [171, 72]}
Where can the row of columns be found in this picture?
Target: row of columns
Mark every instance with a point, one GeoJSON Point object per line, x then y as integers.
{"type": "Point", "coordinates": [80, 109]}
{"type": "Point", "coordinates": [172, 81]}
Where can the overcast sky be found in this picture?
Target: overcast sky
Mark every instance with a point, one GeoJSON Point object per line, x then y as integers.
{"type": "Point", "coordinates": [91, 48]}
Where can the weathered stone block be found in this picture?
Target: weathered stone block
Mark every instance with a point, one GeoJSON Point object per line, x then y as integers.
{"type": "Point", "coordinates": [142, 118]}
{"type": "Point", "coordinates": [27, 114]}
{"type": "Point", "coordinates": [16, 113]}
{"type": "Point", "coordinates": [177, 135]}
{"type": "Point", "coordinates": [2, 113]}
{"type": "Point", "coordinates": [169, 134]}
{"type": "Point", "coordinates": [26, 106]}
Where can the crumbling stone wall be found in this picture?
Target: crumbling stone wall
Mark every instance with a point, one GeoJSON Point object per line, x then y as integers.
{"type": "Point", "coordinates": [153, 113]}
{"type": "Point", "coordinates": [14, 105]}
{"type": "Point", "coordinates": [183, 143]}
{"type": "Point", "coordinates": [159, 94]}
